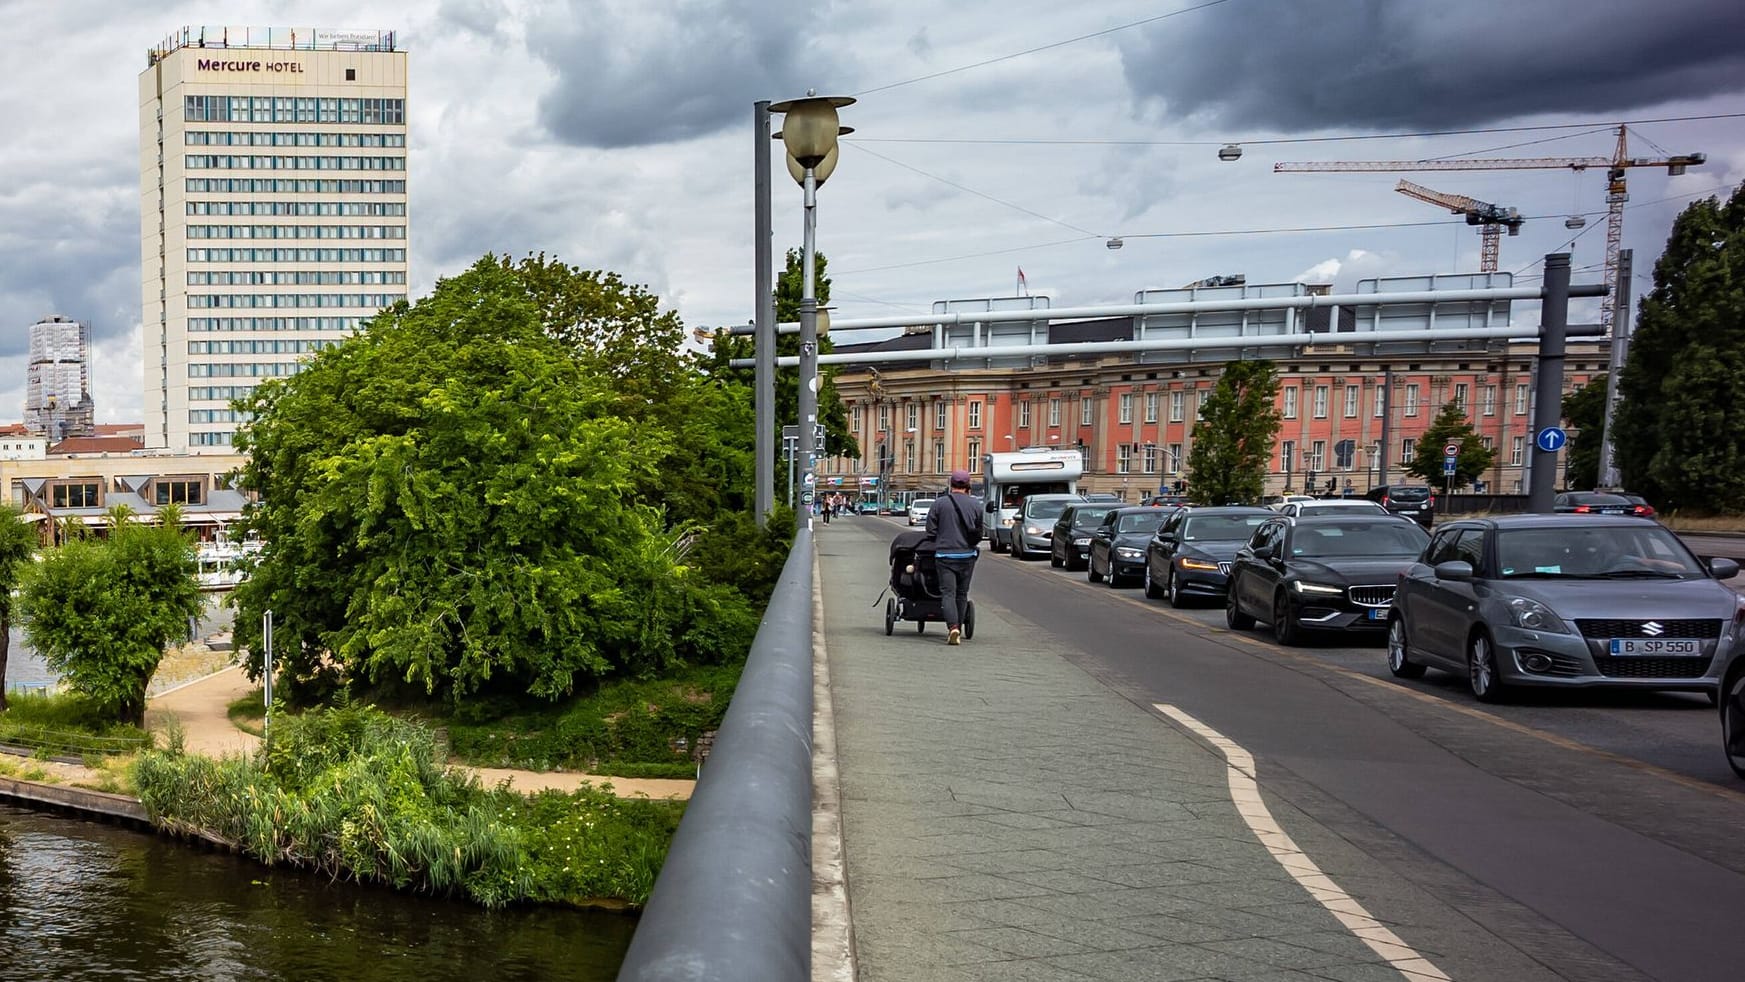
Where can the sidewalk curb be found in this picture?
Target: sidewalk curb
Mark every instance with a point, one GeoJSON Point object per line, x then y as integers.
{"type": "Point", "coordinates": [833, 955]}
{"type": "Point", "coordinates": [204, 678]}
{"type": "Point", "coordinates": [85, 803]}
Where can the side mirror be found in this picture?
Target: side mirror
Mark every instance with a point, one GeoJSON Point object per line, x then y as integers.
{"type": "Point", "coordinates": [1723, 568]}
{"type": "Point", "coordinates": [1459, 569]}
{"type": "Point", "coordinates": [1265, 553]}
{"type": "Point", "coordinates": [993, 507]}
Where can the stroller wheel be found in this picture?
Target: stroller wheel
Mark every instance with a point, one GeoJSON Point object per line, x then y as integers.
{"type": "Point", "coordinates": [920, 627]}
{"type": "Point", "coordinates": [890, 617]}
{"type": "Point", "coordinates": [969, 620]}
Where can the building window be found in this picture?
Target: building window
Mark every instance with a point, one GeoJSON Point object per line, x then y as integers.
{"type": "Point", "coordinates": [1123, 458]}
{"type": "Point", "coordinates": [884, 419]}
{"type": "Point", "coordinates": [939, 415]}
{"type": "Point", "coordinates": [975, 453]}
{"type": "Point", "coordinates": [909, 457]}
{"type": "Point", "coordinates": [975, 414]}
{"type": "Point", "coordinates": [1200, 404]}
{"type": "Point", "coordinates": [1126, 407]}
{"type": "Point", "coordinates": [177, 492]}
{"type": "Point", "coordinates": [1287, 452]}
{"type": "Point", "coordinates": [1087, 410]}
{"type": "Point", "coordinates": [1490, 400]}
{"type": "Point", "coordinates": [1175, 458]}
{"type": "Point", "coordinates": [1487, 443]}
{"type": "Point", "coordinates": [1291, 402]}
{"type": "Point", "coordinates": [1520, 400]}
{"type": "Point", "coordinates": [1320, 402]}
{"type": "Point", "coordinates": [1024, 415]}
{"type": "Point", "coordinates": [1412, 400]}
{"type": "Point", "coordinates": [914, 416]}
{"type": "Point", "coordinates": [1517, 448]}
{"type": "Point", "coordinates": [1460, 390]}
{"type": "Point", "coordinates": [854, 415]}
{"type": "Point", "coordinates": [1054, 412]}
{"type": "Point", "coordinates": [83, 495]}
{"type": "Point", "coordinates": [1150, 458]}
{"type": "Point", "coordinates": [1177, 402]}
{"type": "Point", "coordinates": [938, 456]}
{"type": "Point", "coordinates": [1408, 450]}
{"type": "Point", "coordinates": [1351, 397]}
{"type": "Point", "coordinates": [1381, 401]}
{"type": "Point", "coordinates": [1318, 455]}
{"type": "Point", "coordinates": [1151, 407]}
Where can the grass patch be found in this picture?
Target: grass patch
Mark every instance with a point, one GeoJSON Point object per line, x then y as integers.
{"type": "Point", "coordinates": [357, 794]}
{"type": "Point", "coordinates": [625, 729]}
{"type": "Point", "coordinates": [67, 723]}
{"type": "Point", "coordinates": [248, 713]}
{"type": "Point", "coordinates": [1702, 523]}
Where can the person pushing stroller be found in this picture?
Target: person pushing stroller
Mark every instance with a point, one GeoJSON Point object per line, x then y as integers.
{"type": "Point", "coordinates": [954, 523]}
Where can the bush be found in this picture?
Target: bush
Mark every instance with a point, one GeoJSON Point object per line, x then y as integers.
{"type": "Point", "coordinates": [67, 723]}
{"type": "Point", "coordinates": [631, 729]}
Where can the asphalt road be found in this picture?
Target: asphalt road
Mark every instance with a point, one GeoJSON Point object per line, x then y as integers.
{"type": "Point", "coordinates": [1599, 833]}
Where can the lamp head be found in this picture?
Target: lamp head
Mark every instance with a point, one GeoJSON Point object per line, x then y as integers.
{"type": "Point", "coordinates": [810, 128]}
{"type": "Point", "coordinates": [822, 171]}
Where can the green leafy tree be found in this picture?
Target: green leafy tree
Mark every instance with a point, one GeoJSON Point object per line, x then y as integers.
{"type": "Point", "coordinates": [473, 494]}
{"type": "Point", "coordinates": [1679, 429]}
{"type": "Point", "coordinates": [1234, 437]}
{"type": "Point", "coordinates": [18, 542]}
{"type": "Point", "coordinates": [1584, 410]}
{"type": "Point", "coordinates": [101, 610]}
{"type": "Point", "coordinates": [1451, 425]}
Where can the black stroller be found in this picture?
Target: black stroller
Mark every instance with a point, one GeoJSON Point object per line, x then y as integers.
{"type": "Point", "coordinates": [915, 583]}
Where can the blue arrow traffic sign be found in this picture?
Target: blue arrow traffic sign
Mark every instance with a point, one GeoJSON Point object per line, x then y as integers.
{"type": "Point", "coordinates": [1551, 439]}
{"type": "Point", "coordinates": [1448, 468]}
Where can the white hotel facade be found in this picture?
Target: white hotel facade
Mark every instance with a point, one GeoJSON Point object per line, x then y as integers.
{"type": "Point", "coordinates": [273, 212]}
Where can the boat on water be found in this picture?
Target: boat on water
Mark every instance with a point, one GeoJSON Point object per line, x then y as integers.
{"type": "Point", "coordinates": [224, 563]}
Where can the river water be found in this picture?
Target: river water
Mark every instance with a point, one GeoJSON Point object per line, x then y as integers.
{"type": "Point", "coordinates": [82, 901]}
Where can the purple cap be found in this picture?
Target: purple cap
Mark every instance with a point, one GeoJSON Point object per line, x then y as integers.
{"type": "Point", "coordinates": [960, 479]}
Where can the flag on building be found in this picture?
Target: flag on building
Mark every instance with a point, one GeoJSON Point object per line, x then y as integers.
{"type": "Point", "coordinates": [1023, 284]}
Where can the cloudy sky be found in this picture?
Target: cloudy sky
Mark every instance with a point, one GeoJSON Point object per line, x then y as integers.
{"type": "Point", "coordinates": [617, 134]}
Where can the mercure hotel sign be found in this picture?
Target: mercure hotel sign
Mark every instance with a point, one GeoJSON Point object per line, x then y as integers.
{"type": "Point", "coordinates": [231, 65]}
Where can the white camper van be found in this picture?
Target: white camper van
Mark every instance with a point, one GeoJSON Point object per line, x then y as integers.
{"type": "Point", "coordinates": [1009, 478]}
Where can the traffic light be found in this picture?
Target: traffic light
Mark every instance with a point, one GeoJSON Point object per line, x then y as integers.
{"type": "Point", "coordinates": [1180, 485]}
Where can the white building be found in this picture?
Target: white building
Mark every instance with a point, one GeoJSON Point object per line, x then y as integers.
{"type": "Point", "coordinates": [273, 210]}
{"type": "Point", "coordinates": [57, 387]}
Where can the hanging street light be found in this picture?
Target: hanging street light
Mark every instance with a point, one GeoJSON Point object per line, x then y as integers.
{"type": "Point", "coordinates": [1229, 152]}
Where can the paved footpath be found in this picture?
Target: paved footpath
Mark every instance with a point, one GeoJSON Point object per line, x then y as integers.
{"type": "Point", "coordinates": [1007, 816]}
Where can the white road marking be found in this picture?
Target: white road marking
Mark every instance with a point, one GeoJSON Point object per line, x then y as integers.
{"type": "Point", "coordinates": [1245, 792]}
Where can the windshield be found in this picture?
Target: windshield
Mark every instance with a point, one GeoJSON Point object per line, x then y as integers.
{"type": "Point", "coordinates": [1593, 498]}
{"type": "Point", "coordinates": [1140, 522]}
{"type": "Point", "coordinates": [1045, 509]}
{"type": "Point", "coordinates": [1385, 539]}
{"type": "Point", "coordinates": [1089, 518]}
{"type": "Point", "coordinates": [1344, 506]}
{"type": "Point", "coordinates": [1221, 528]}
{"type": "Point", "coordinates": [1409, 494]}
{"type": "Point", "coordinates": [922, 505]}
{"type": "Point", "coordinates": [1599, 553]}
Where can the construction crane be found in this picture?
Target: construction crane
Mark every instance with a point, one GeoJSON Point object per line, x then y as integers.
{"type": "Point", "coordinates": [1616, 194]}
{"type": "Point", "coordinates": [1490, 219]}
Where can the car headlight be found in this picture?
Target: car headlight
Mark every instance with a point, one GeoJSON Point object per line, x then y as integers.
{"type": "Point", "coordinates": [1187, 563]}
{"type": "Point", "coordinates": [1081, 542]}
{"type": "Point", "coordinates": [1535, 616]}
{"type": "Point", "coordinates": [1130, 554]}
{"type": "Point", "coordinates": [1326, 589]}
{"type": "Point", "coordinates": [1032, 530]}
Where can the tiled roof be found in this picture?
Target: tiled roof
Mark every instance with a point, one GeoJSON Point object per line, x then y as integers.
{"type": "Point", "coordinates": [96, 444]}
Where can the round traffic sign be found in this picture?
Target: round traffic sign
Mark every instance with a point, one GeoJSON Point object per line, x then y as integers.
{"type": "Point", "coordinates": [1551, 439]}
{"type": "Point", "coordinates": [1452, 450]}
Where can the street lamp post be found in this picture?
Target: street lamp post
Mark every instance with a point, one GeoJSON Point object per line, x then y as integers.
{"type": "Point", "coordinates": [809, 132]}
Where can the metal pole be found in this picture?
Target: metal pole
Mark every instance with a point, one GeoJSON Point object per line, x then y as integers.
{"type": "Point", "coordinates": [764, 382]}
{"type": "Point", "coordinates": [1621, 331]}
{"type": "Point", "coordinates": [808, 356]}
{"type": "Point", "coordinates": [267, 674]}
{"type": "Point", "coordinates": [1548, 386]}
{"type": "Point", "coordinates": [1387, 427]}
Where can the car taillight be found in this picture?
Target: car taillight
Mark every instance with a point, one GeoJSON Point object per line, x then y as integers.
{"type": "Point", "coordinates": [1582, 509]}
{"type": "Point", "coordinates": [1432, 501]}
{"type": "Point", "coordinates": [1384, 501]}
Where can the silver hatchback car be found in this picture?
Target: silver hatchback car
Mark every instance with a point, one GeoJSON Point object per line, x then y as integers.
{"type": "Point", "coordinates": [1554, 600]}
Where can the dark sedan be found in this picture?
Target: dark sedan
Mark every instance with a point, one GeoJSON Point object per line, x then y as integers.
{"type": "Point", "coordinates": [1190, 556]}
{"type": "Point", "coordinates": [1071, 543]}
{"type": "Point", "coordinates": [1323, 573]}
{"type": "Point", "coordinates": [1592, 503]}
{"type": "Point", "coordinates": [1118, 544]}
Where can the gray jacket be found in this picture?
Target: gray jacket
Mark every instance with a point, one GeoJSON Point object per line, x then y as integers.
{"type": "Point", "coordinates": [955, 523]}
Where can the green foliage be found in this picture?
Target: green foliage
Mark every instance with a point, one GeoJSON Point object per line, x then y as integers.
{"type": "Point", "coordinates": [356, 794]}
{"type": "Point", "coordinates": [1450, 426]}
{"type": "Point", "coordinates": [471, 495]}
{"type": "Point", "coordinates": [626, 728]}
{"type": "Point", "coordinates": [67, 723]}
{"type": "Point", "coordinates": [1679, 429]}
{"type": "Point", "coordinates": [17, 544]}
{"type": "Point", "coordinates": [1234, 436]}
{"type": "Point", "coordinates": [101, 610]}
{"type": "Point", "coordinates": [1584, 410]}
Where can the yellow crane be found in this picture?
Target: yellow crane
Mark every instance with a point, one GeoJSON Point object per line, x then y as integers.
{"type": "Point", "coordinates": [1616, 193]}
{"type": "Point", "coordinates": [1490, 219]}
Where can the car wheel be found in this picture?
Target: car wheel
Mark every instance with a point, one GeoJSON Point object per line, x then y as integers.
{"type": "Point", "coordinates": [1233, 614]}
{"type": "Point", "coordinates": [1399, 653]}
{"type": "Point", "coordinates": [920, 627]}
{"type": "Point", "coordinates": [1091, 570]}
{"type": "Point", "coordinates": [1284, 621]}
{"type": "Point", "coordinates": [1054, 558]}
{"type": "Point", "coordinates": [1732, 695]}
{"type": "Point", "coordinates": [1018, 551]}
{"type": "Point", "coordinates": [890, 616]}
{"type": "Point", "coordinates": [1173, 588]}
{"type": "Point", "coordinates": [1481, 669]}
{"type": "Point", "coordinates": [1151, 589]}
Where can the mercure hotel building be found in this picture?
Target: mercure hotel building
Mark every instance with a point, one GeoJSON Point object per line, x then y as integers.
{"type": "Point", "coordinates": [273, 211]}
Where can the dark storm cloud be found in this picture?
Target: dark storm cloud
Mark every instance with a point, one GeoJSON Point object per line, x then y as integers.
{"type": "Point", "coordinates": [1290, 66]}
{"type": "Point", "coordinates": [633, 75]}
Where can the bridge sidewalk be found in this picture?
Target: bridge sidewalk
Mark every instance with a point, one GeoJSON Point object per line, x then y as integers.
{"type": "Point", "coordinates": [1006, 816]}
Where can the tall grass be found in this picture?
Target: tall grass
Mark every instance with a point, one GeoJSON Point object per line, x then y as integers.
{"type": "Point", "coordinates": [356, 794]}
{"type": "Point", "coordinates": [66, 723]}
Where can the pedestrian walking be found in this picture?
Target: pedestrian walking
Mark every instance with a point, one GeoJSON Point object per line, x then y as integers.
{"type": "Point", "coordinates": [954, 523]}
{"type": "Point", "coordinates": [827, 506]}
